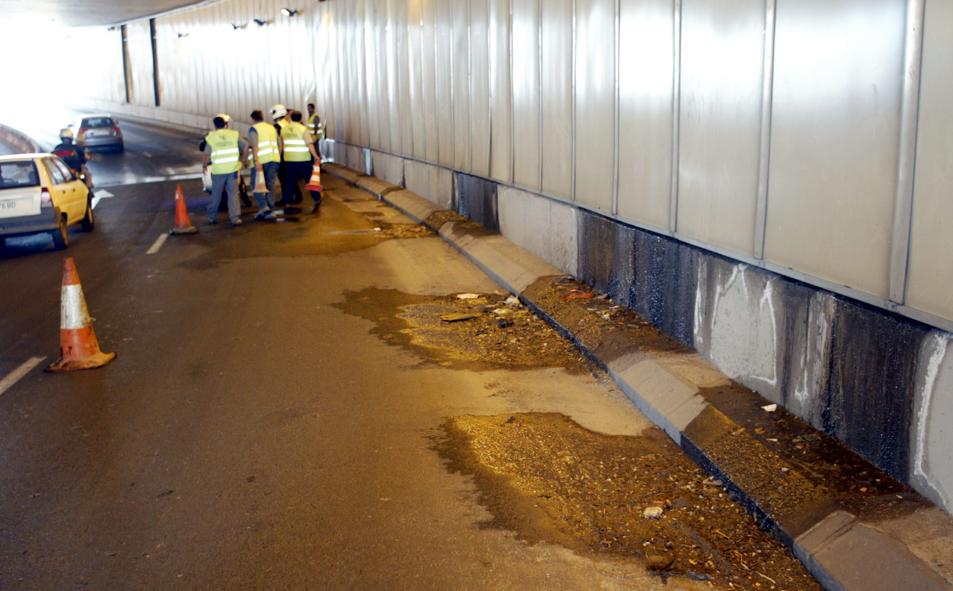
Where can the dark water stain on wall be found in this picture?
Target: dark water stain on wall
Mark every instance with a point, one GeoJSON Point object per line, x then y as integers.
{"type": "Point", "coordinates": [653, 275]}
{"type": "Point", "coordinates": [476, 199]}
{"type": "Point", "coordinates": [872, 380]}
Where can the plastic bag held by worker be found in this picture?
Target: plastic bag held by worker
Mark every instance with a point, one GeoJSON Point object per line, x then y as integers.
{"type": "Point", "coordinates": [207, 180]}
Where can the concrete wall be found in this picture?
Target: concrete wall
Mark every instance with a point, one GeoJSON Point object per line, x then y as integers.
{"type": "Point", "coordinates": [747, 174]}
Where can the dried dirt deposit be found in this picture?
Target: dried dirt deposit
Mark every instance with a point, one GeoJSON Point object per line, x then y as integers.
{"type": "Point", "coordinates": [548, 479]}
{"type": "Point", "coordinates": [479, 332]}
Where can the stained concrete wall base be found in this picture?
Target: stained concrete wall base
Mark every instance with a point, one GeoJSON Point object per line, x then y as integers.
{"type": "Point", "coordinates": [843, 552]}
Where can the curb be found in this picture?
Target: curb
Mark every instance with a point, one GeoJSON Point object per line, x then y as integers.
{"type": "Point", "coordinates": [849, 539]}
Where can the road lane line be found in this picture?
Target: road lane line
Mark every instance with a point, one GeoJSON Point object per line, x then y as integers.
{"type": "Point", "coordinates": [157, 244]}
{"type": "Point", "coordinates": [16, 375]}
{"type": "Point", "coordinates": [99, 195]}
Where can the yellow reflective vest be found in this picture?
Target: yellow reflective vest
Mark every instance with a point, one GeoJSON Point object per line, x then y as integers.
{"type": "Point", "coordinates": [294, 135]}
{"type": "Point", "coordinates": [316, 127]}
{"type": "Point", "coordinates": [267, 142]}
{"type": "Point", "coordinates": [224, 144]}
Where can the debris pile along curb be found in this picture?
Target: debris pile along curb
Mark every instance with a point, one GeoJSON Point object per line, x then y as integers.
{"type": "Point", "coordinates": [868, 539]}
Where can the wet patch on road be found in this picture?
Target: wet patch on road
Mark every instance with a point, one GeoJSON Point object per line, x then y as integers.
{"type": "Point", "coordinates": [631, 497]}
{"type": "Point", "coordinates": [477, 331]}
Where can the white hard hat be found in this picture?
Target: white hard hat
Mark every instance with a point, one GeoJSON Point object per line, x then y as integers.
{"type": "Point", "coordinates": [66, 133]}
{"type": "Point", "coordinates": [225, 118]}
{"type": "Point", "coordinates": [278, 111]}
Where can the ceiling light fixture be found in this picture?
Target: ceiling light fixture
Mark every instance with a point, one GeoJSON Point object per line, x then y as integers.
{"type": "Point", "coordinates": [181, 35]}
{"type": "Point", "coordinates": [290, 11]}
{"type": "Point", "coordinates": [260, 22]}
{"type": "Point", "coordinates": [236, 27]}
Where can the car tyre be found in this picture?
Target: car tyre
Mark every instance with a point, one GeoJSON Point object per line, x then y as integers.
{"type": "Point", "coordinates": [120, 148]}
{"type": "Point", "coordinates": [89, 222]}
{"type": "Point", "coordinates": [61, 235]}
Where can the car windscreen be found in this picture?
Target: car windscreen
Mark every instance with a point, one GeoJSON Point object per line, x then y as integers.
{"type": "Point", "coordinates": [20, 174]}
{"type": "Point", "coordinates": [97, 122]}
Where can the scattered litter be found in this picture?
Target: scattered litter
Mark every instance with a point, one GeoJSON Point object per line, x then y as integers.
{"type": "Point", "coordinates": [468, 296]}
{"type": "Point", "coordinates": [504, 323]}
{"type": "Point", "coordinates": [578, 295]}
{"type": "Point", "coordinates": [653, 512]}
{"type": "Point", "coordinates": [501, 312]}
{"type": "Point", "coordinates": [712, 482]}
{"type": "Point", "coordinates": [785, 470]}
{"type": "Point", "coordinates": [512, 301]}
{"type": "Point", "coordinates": [770, 408]}
{"type": "Point", "coordinates": [772, 440]}
{"type": "Point", "coordinates": [457, 317]}
{"type": "Point", "coordinates": [377, 229]}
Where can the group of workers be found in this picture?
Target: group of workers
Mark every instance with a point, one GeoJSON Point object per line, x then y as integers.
{"type": "Point", "coordinates": [285, 149]}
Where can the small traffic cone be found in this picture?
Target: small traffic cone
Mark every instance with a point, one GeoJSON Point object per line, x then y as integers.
{"type": "Point", "coordinates": [315, 183]}
{"type": "Point", "coordinates": [260, 186]}
{"type": "Point", "coordinates": [183, 223]}
{"type": "Point", "coordinates": [79, 348]}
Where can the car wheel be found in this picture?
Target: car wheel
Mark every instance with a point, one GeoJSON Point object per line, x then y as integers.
{"type": "Point", "coordinates": [89, 223]}
{"type": "Point", "coordinates": [61, 235]}
{"type": "Point", "coordinates": [120, 148]}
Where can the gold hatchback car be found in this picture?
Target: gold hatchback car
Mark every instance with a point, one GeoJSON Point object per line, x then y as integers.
{"type": "Point", "coordinates": [39, 193]}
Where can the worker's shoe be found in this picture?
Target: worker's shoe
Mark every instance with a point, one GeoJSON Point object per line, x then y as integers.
{"type": "Point", "coordinates": [236, 222]}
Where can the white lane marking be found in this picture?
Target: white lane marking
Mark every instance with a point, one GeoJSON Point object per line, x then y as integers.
{"type": "Point", "coordinates": [16, 375]}
{"type": "Point", "coordinates": [147, 154]}
{"type": "Point", "coordinates": [157, 244]}
{"type": "Point", "coordinates": [99, 195]}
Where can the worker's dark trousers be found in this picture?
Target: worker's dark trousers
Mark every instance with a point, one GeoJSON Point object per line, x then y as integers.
{"type": "Point", "coordinates": [290, 192]}
{"type": "Point", "coordinates": [297, 175]}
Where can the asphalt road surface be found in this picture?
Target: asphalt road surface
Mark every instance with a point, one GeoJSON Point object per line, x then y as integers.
{"type": "Point", "coordinates": [255, 431]}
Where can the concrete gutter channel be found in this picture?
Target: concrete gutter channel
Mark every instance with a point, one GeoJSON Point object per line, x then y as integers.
{"type": "Point", "coordinates": [854, 527]}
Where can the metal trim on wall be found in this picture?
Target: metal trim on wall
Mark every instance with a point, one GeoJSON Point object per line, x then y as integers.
{"type": "Point", "coordinates": [906, 161]}
{"type": "Point", "coordinates": [539, 91]}
{"type": "Point", "coordinates": [615, 115]}
{"type": "Point", "coordinates": [676, 110]}
{"type": "Point", "coordinates": [572, 101]}
{"type": "Point", "coordinates": [767, 97]}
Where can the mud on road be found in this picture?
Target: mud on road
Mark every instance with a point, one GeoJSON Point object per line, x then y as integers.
{"type": "Point", "coordinates": [550, 480]}
{"type": "Point", "coordinates": [479, 331]}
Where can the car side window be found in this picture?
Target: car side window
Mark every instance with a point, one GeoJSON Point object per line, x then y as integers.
{"type": "Point", "coordinates": [67, 173]}
{"type": "Point", "coordinates": [56, 175]}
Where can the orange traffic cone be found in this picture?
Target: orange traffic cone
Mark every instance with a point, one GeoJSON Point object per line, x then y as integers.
{"type": "Point", "coordinates": [79, 348]}
{"type": "Point", "coordinates": [315, 183]}
{"type": "Point", "coordinates": [183, 224]}
{"type": "Point", "coordinates": [260, 186]}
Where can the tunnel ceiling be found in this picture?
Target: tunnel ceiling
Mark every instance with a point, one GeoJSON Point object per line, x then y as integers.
{"type": "Point", "coordinates": [84, 12]}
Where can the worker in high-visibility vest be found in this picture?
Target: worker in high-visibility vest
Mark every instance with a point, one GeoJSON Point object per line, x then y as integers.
{"type": "Point", "coordinates": [264, 158]}
{"type": "Point", "coordinates": [224, 152]}
{"type": "Point", "coordinates": [297, 148]}
{"type": "Point", "coordinates": [316, 127]}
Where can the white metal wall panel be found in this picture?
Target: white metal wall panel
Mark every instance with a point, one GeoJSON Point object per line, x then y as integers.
{"type": "Point", "coordinates": [595, 103]}
{"type": "Point", "coordinates": [930, 285]}
{"type": "Point", "coordinates": [835, 131]}
{"type": "Point", "coordinates": [393, 79]}
{"type": "Point", "coordinates": [461, 85]}
{"type": "Point", "coordinates": [557, 65]}
{"type": "Point", "coordinates": [501, 132]}
{"type": "Point", "coordinates": [429, 106]}
{"type": "Point", "coordinates": [646, 51]}
{"type": "Point", "coordinates": [379, 59]}
{"type": "Point", "coordinates": [371, 52]}
{"type": "Point", "coordinates": [403, 73]}
{"type": "Point", "coordinates": [526, 100]}
{"type": "Point", "coordinates": [722, 50]}
{"type": "Point", "coordinates": [443, 22]}
{"type": "Point", "coordinates": [479, 88]}
{"type": "Point", "coordinates": [140, 58]}
{"type": "Point", "coordinates": [414, 59]}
